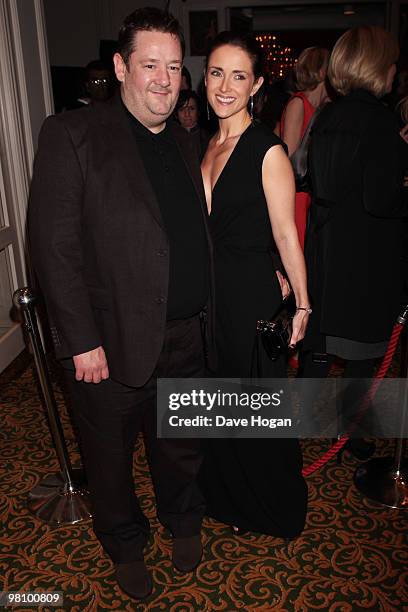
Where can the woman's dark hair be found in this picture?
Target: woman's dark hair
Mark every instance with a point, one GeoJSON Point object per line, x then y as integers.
{"type": "Point", "coordinates": [246, 42]}
{"type": "Point", "coordinates": [146, 19]}
{"type": "Point", "coordinates": [184, 96]}
{"type": "Point", "coordinates": [185, 73]}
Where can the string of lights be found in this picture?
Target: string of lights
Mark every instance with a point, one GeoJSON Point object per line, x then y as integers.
{"type": "Point", "coordinates": [279, 59]}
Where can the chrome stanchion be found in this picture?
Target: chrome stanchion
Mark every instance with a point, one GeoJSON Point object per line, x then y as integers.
{"type": "Point", "coordinates": [61, 497]}
{"type": "Point", "coordinates": [385, 479]}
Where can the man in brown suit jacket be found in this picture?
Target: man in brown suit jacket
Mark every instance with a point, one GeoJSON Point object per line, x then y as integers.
{"type": "Point", "coordinates": [119, 241]}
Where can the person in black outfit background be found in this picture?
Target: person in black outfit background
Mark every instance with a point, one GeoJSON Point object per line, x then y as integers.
{"type": "Point", "coordinates": [97, 86]}
{"type": "Point", "coordinates": [355, 241]}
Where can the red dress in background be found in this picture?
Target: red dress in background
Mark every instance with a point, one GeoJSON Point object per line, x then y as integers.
{"type": "Point", "coordinates": [303, 199]}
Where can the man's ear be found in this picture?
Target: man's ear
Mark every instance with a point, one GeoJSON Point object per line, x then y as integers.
{"type": "Point", "coordinates": [120, 67]}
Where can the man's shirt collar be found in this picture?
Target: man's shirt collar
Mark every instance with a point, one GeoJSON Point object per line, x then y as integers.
{"type": "Point", "coordinates": [143, 131]}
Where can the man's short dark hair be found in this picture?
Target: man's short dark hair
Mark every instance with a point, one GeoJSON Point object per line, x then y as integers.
{"type": "Point", "coordinates": [96, 65]}
{"type": "Point", "coordinates": [146, 19]}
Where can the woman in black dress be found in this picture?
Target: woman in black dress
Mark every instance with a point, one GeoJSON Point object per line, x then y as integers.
{"type": "Point", "coordinates": [253, 484]}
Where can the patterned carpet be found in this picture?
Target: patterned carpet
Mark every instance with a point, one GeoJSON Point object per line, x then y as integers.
{"type": "Point", "coordinates": [352, 556]}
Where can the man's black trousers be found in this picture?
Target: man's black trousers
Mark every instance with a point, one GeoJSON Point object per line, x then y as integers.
{"type": "Point", "coordinates": [109, 416]}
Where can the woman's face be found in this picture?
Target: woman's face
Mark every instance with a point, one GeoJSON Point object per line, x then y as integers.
{"type": "Point", "coordinates": [390, 78]}
{"type": "Point", "coordinates": [188, 114]}
{"type": "Point", "coordinates": [230, 80]}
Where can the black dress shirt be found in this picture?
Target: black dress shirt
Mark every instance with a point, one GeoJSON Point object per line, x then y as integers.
{"type": "Point", "coordinates": [183, 219]}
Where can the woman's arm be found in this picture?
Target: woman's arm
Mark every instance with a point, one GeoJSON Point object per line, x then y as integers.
{"type": "Point", "coordinates": [279, 188]}
{"type": "Point", "coordinates": [293, 124]}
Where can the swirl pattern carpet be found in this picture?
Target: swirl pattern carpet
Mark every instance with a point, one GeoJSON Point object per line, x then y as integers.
{"type": "Point", "coordinates": [352, 556]}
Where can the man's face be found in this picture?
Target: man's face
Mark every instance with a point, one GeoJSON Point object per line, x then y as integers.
{"type": "Point", "coordinates": [150, 83]}
{"type": "Point", "coordinates": [98, 85]}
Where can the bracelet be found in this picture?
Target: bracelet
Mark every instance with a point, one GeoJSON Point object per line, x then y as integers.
{"type": "Point", "coordinates": [308, 309]}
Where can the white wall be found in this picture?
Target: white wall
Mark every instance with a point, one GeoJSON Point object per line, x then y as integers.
{"type": "Point", "coordinates": [75, 27]}
{"type": "Point", "coordinates": [72, 32]}
{"type": "Point", "coordinates": [35, 64]}
{"type": "Point", "coordinates": [25, 100]}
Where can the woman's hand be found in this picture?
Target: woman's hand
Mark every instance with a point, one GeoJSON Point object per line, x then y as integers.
{"type": "Point", "coordinates": [284, 285]}
{"type": "Point", "coordinates": [299, 324]}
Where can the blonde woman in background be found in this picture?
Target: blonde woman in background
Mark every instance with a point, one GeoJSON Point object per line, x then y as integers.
{"type": "Point", "coordinates": [310, 74]}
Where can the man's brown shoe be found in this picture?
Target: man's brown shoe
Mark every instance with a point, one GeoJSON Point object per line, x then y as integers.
{"type": "Point", "coordinates": [187, 553]}
{"type": "Point", "coordinates": [134, 579]}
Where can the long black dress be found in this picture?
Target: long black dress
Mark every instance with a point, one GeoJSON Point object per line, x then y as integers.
{"type": "Point", "coordinates": [255, 484]}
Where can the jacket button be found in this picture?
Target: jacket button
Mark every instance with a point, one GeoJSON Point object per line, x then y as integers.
{"type": "Point", "coordinates": [160, 300]}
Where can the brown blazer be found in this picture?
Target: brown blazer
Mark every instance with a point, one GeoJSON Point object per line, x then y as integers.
{"type": "Point", "coordinates": [98, 243]}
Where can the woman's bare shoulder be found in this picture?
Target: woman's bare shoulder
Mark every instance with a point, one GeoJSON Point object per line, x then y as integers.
{"type": "Point", "coordinates": [295, 106]}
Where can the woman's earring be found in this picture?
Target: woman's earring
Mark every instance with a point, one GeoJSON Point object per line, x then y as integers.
{"type": "Point", "coordinates": [208, 111]}
{"type": "Point", "coordinates": [251, 107]}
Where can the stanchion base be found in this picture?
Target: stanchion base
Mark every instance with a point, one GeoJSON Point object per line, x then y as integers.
{"type": "Point", "coordinates": [379, 480]}
{"type": "Point", "coordinates": [53, 502]}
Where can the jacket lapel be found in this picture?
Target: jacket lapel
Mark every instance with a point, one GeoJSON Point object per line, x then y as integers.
{"type": "Point", "coordinates": [122, 144]}
{"type": "Point", "coordinates": [190, 158]}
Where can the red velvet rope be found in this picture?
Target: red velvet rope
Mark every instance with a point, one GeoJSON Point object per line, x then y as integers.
{"type": "Point", "coordinates": [381, 372]}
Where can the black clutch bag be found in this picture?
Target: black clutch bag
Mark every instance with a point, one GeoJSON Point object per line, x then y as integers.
{"type": "Point", "coordinates": [275, 334]}
{"type": "Point", "coordinates": [272, 337]}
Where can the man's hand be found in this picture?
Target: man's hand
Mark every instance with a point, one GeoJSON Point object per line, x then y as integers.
{"type": "Point", "coordinates": [91, 366]}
